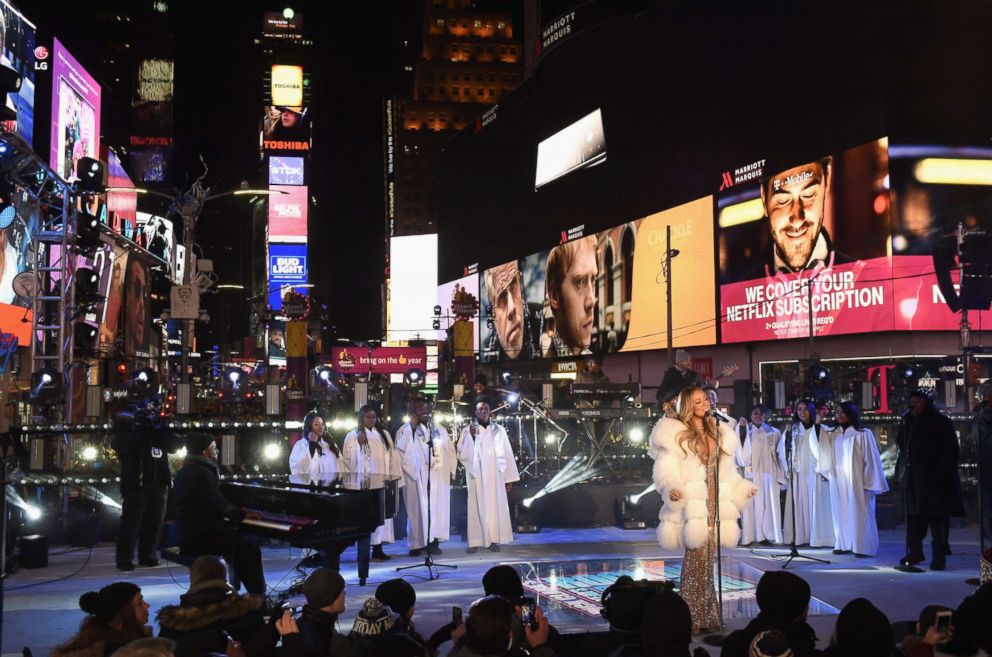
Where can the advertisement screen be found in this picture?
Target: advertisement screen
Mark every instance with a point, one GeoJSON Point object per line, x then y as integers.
{"type": "Point", "coordinates": [578, 146]}
{"type": "Point", "coordinates": [446, 298]}
{"type": "Point", "coordinates": [15, 246]}
{"type": "Point", "coordinates": [287, 270]}
{"type": "Point", "coordinates": [934, 192]}
{"type": "Point", "coordinates": [286, 124]}
{"type": "Point", "coordinates": [288, 213]}
{"type": "Point", "coordinates": [159, 237]}
{"type": "Point", "coordinates": [149, 164]}
{"type": "Point", "coordinates": [152, 102]}
{"type": "Point", "coordinates": [137, 317]}
{"type": "Point", "coordinates": [605, 292]}
{"type": "Point", "coordinates": [75, 114]}
{"type": "Point", "coordinates": [413, 286]}
{"type": "Point", "coordinates": [285, 170]}
{"type": "Point", "coordinates": [287, 85]}
{"type": "Point", "coordinates": [808, 242]}
{"type": "Point", "coordinates": [112, 287]}
{"type": "Point", "coordinates": [17, 38]}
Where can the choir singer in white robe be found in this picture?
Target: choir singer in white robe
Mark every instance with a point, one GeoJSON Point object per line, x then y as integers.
{"type": "Point", "coordinates": [849, 458]}
{"type": "Point", "coordinates": [760, 459]}
{"type": "Point", "coordinates": [799, 449]}
{"type": "Point", "coordinates": [369, 450]}
{"type": "Point", "coordinates": [313, 455]}
{"type": "Point", "coordinates": [490, 468]}
{"type": "Point", "coordinates": [428, 459]}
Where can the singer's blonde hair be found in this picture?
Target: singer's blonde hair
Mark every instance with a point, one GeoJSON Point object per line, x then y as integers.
{"type": "Point", "coordinates": [690, 436]}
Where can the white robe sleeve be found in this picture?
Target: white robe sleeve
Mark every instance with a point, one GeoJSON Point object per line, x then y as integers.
{"type": "Point", "coordinates": [465, 451]}
{"type": "Point", "coordinates": [778, 456]}
{"type": "Point", "coordinates": [730, 478]}
{"type": "Point", "coordinates": [450, 459]}
{"type": "Point", "coordinates": [742, 454]}
{"type": "Point", "coordinates": [823, 451]}
{"type": "Point", "coordinates": [394, 457]}
{"type": "Point", "coordinates": [782, 457]}
{"type": "Point", "coordinates": [299, 458]}
{"type": "Point", "coordinates": [509, 467]}
{"type": "Point", "coordinates": [874, 474]}
{"type": "Point", "coordinates": [349, 452]}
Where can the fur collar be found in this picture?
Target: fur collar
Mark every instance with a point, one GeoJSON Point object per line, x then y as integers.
{"type": "Point", "coordinates": [185, 618]}
{"type": "Point", "coordinates": [665, 436]}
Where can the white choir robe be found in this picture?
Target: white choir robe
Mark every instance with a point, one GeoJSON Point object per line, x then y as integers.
{"type": "Point", "coordinates": [326, 466]}
{"type": "Point", "coordinates": [815, 526]}
{"type": "Point", "coordinates": [849, 458]}
{"type": "Point", "coordinates": [489, 465]}
{"type": "Point", "coordinates": [759, 458]}
{"type": "Point", "coordinates": [378, 460]}
{"type": "Point", "coordinates": [414, 454]}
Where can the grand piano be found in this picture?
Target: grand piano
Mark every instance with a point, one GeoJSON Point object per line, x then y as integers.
{"type": "Point", "coordinates": [304, 511]}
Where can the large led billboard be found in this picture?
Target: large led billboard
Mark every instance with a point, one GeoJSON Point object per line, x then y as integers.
{"type": "Point", "coordinates": [75, 131]}
{"type": "Point", "coordinates": [288, 213]}
{"type": "Point", "coordinates": [577, 146]}
{"type": "Point", "coordinates": [446, 297]}
{"type": "Point", "coordinates": [287, 85]}
{"type": "Point", "coordinates": [412, 286]}
{"type": "Point", "coordinates": [287, 270]}
{"type": "Point", "coordinates": [605, 292]}
{"type": "Point", "coordinates": [17, 39]}
{"type": "Point", "coordinates": [285, 170]}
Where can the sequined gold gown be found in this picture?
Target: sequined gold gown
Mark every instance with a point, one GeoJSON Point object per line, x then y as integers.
{"type": "Point", "coordinates": [697, 585]}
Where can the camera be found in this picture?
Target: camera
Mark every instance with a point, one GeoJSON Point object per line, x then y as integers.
{"type": "Point", "coordinates": [528, 609]}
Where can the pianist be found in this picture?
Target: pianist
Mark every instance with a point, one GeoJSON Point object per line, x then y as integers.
{"type": "Point", "coordinates": [202, 512]}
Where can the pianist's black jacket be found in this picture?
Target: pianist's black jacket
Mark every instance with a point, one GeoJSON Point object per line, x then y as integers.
{"type": "Point", "coordinates": [200, 506]}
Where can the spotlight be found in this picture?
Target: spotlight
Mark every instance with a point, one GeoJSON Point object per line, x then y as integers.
{"type": "Point", "coordinates": [624, 514]}
{"type": "Point", "coordinates": [143, 383]}
{"type": "Point", "coordinates": [90, 453]}
{"type": "Point", "coordinates": [522, 519]}
{"type": "Point", "coordinates": [87, 232]}
{"type": "Point", "coordinates": [32, 511]}
{"type": "Point", "coordinates": [47, 386]}
{"type": "Point", "coordinates": [272, 451]}
{"type": "Point", "coordinates": [85, 338]}
{"type": "Point", "coordinates": [506, 376]}
{"type": "Point", "coordinates": [636, 435]}
{"type": "Point", "coordinates": [92, 176]}
{"type": "Point", "coordinates": [437, 311]}
{"type": "Point", "coordinates": [87, 286]}
{"type": "Point", "coordinates": [325, 374]}
{"type": "Point", "coordinates": [181, 452]}
{"type": "Point", "coordinates": [414, 378]}
{"type": "Point", "coordinates": [550, 439]}
{"type": "Point", "coordinates": [406, 419]}
{"type": "Point", "coordinates": [513, 398]}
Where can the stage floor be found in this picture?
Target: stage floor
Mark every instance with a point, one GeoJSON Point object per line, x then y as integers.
{"type": "Point", "coordinates": [566, 568]}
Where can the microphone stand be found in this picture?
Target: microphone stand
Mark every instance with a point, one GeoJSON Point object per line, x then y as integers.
{"type": "Point", "coordinates": [790, 456]}
{"type": "Point", "coordinates": [717, 639]}
{"type": "Point", "coordinates": [433, 568]}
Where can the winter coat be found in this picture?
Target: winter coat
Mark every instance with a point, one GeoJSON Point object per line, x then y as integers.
{"type": "Point", "coordinates": [684, 524]}
{"type": "Point", "coordinates": [200, 506]}
{"type": "Point", "coordinates": [198, 623]}
{"type": "Point", "coordinates": [318, 637]}
{"type": "Point", "coordinates": [928, 465]}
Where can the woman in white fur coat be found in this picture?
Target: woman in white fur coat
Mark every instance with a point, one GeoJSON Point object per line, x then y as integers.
{"type": "Point", "coordinates": [686, 454]}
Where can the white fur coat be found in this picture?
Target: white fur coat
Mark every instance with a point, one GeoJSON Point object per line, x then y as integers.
{"type": "Point", "coordinates": [683, 524]}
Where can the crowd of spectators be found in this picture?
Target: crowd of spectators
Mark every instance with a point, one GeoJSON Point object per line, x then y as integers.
{"type": "Point", "coordinates": [646, 619]}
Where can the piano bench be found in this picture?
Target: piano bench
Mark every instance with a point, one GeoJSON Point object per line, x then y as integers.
{"type": "Point", "coordinates": [173, 555]}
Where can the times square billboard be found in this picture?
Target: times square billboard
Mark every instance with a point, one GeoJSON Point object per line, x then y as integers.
{"type": "Point", "coordinates": [19, 52]}
{"type": "Point", "coordinates": [75, 121]}
{"type": "Point", "coordinates": [835, 239]}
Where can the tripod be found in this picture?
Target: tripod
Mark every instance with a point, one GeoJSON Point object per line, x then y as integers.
{"type": "Point", "coordinates": [433, 568]}
{"type": "Point", "coordinates": [790, 457]}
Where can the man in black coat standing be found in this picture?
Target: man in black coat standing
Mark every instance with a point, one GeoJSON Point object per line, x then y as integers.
{"type": "Point", "coordinates": [928, 474]}
{"type": "Point", "coordinates": [202, 514]}
{"type": "Point", "coordinates": [142, 447]}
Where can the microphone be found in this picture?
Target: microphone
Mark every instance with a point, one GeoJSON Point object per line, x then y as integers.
{"type": "Point", "coordinates": [720, 415]}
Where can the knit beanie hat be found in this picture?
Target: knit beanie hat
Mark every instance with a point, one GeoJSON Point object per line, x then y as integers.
{"type": "Point", "coordinates": [208, 572]}
{"type": "Point", "coordinates": [197, 443]}
{"type": "Point", "coordinates": [109, 600]}
{"type": "Point", "coordinates": [503, 581]}
{"type": "Point", "coordinates": [771, 643]}
{"type": "Point", "coordinates": [323, 587]}
{"type": "Point", "coordinates": [398, 595]}
{"type": "Point", "coordinates": [374, 619]}
{"type": "Point", "coordinates": [782, 595]}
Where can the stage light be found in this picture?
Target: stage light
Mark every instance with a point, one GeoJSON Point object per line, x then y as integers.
{"type": "Point", "coordinates": [413, 378]}
{"type": "Point", "coordinates": [550, 439]}
{"type": "Point", "coordinates": [143, 383]}
{"type": "Point", "coordinates": [325, 374]}
{"type": "Point", "coordinates": [635, 499]}
{"type": "Point", "coordinates": [90, 453]}
{"type": "Point", "coordinates": [288, 13]}
{"type": "Point", "coordinates": [406, 419]}
{"type": "Point", "coordinates": [181, 452]}
{"type": "Point", "coordinates": [522, 520]}
{"type": "Point", "coordinates": [506, 376]}
{"type": "Point", "coordinates": [272, 451]}
{"type": "Point", "coordinates": [513, 398]}
{"type": "Point", "coordinates": [623, 512]}
{"type": "Point", "coordinates": [32, 511]}
{"type": "Point", "coordinates": [87, 232]}
{"type": "Point", "coordinates": [87, 286]}
{"type": "Point", "coordinates": [85, 338]}
{"type": "Point", "coordinates": [437, 311]}
{"type": "Point", "coordinates": [636, 435]}
{"type": "Point", "coordinates": [47, 386]}
{"type": "Point", "coordinates": [92, 175]}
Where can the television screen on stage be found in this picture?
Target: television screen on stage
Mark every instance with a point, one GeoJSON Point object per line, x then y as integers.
{"type": "Point", "coordinates": [807, 241]}
{"type": "Point", "coordinates": [450, 298]}
{"type": "Point", "coordinates": [605, 292]}
{"type": "Point", "coordinates": [75, 113]}
{"type": "Point", "coordinates": [286, 170]}
{"type": "Point", "coordinates": [412, 287]}
{"type": "Point", "coordinates": [17, 39]}
{"type": "Point", "coordinates": [288, 213]}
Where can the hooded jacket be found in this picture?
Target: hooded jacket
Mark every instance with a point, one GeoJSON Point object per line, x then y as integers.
{"type": "Point", "coordinates": [684, 524]}
{"type": "Point", "coordinates": [197, 624]}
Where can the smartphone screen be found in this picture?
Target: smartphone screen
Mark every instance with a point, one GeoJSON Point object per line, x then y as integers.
{"type": "Point", "coordinates": [456, 615]}
{"type": "Point", "coordinates": [527, 617]}
{"type": "Point", "coordinates": [943, 621]}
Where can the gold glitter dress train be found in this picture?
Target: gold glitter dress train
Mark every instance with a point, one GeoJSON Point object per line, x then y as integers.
{"type": "Point", "coordinates": [697, 584]}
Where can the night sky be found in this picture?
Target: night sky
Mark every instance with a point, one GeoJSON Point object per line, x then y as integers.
{"type": "Point", "coordinates": [218, 102]}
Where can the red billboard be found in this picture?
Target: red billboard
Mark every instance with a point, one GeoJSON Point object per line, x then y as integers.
{"type": "Point", "coordinates": [380, 360]}
{"type": "Point", "coordinates": [288, 213]}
